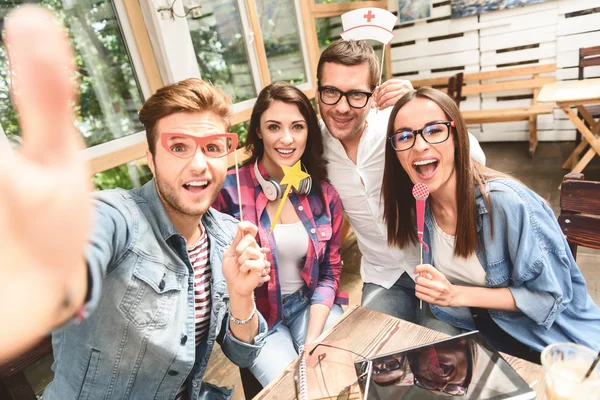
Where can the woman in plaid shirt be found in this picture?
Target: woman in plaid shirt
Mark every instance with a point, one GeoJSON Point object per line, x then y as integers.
{"type": "Point", "coordinates": [302, 296]}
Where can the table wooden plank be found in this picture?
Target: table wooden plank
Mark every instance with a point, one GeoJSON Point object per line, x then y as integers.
{"type": "Point", "coordinates": [574, 156]}
{"type": "Point", "coordinates": [370, 333]}
{"type": "Point", "coordinates": [588, 118]}
{"type": "Point", "coordinates": [570, 91]}
{"type": "Point", "coordinates": [585, 131]}
{"type": "Point", "coordinates": [569, 94]}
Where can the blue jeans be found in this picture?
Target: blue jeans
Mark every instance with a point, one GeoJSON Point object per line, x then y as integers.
{"type": "Point", "coordinates": [281, 345]}
{"type": "Point", "coordinates": [400, 301]}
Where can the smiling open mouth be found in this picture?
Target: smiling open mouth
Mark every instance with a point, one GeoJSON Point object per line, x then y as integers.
{"type": "Point", "coordinates": [342, 121]}
{"type": "Point", "coordinates": [426, 168]}
{"type": "Point", "coordinates": [285, 152]}
{"type": "Point", "coordinates": [196, 186]}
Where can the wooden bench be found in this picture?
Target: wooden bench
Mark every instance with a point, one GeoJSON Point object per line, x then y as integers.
{"type": "Point", "coordinates": [511, 79]}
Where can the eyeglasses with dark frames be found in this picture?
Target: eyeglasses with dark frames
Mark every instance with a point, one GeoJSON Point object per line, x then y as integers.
{"type": "Point", "coordinates": [331, 96]}
{"type": "Point", "coordinates": [434, 133]}
{"type": "Point", "coordinates": [183, 145]}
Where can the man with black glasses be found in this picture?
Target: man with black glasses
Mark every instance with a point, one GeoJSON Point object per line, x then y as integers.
{"type": "Point", "coordinates": [354, 120]}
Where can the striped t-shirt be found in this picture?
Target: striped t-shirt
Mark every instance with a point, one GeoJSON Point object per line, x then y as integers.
{"type": "Point", "coordinates": [198, 255]}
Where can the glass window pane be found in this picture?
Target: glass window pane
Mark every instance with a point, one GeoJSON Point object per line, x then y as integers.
{"type": "Point", "coordinates": [126, 176]}
{"type": "Point", "coordinates": [281, 36]}
{"type": "Point", "coordinates": [218, 40]}
{"type": "Point", "coordinates": [337, 1]}
{"type": "Point", "coordinates": [241, 130]}
{"type": "Point", "coordinates": [109, 93]}
{"type": "Point", "coordinates": [328, 31]}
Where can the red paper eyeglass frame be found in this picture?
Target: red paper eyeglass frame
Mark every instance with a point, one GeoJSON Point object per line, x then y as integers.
{"type": "Point", "coordinates": [199, 140]}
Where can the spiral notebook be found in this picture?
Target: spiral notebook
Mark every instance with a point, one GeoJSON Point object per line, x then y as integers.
{"type": "Point", "coordinates": [326, 373]}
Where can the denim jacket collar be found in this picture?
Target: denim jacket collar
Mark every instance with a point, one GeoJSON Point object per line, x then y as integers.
{"type": "Point", "coordinates": [217, 236]}
{"type": "Point", "coordinates": [149, 193]}
{"type": "Point", "coordinates": [480, 204]}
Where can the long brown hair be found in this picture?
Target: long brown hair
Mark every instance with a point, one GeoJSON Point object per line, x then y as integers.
{"type": "Point", "coordinates": [312, 158]}
{"type": "Point", "coordinates": [399, 204]}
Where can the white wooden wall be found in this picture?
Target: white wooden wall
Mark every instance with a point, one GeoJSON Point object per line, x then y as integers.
{"type": "Point", "coordinates": [544, 33]}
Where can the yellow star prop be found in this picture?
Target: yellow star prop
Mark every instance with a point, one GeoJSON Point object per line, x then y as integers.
{"type": "Point", "coordinates": [292, 176]}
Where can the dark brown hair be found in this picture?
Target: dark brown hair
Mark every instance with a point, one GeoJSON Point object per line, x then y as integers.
{"type": "Point", "coordinates": [312, 158]}
{"type": "Point", "coordinates": [190, 95]}
{"type": "Point", "coordinates": [350, 53]}
{"type": "Point", "coordinates": [399, 204]}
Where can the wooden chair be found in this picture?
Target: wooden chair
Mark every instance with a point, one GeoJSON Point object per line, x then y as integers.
{"type": "Point", "coordinates": [588, 57]}
{"type": "Point", "coordinates": [251, 385]}
{"type": "Point", "coordinates": [580, 212]}
{"type": "Point", "coordinates": [455, 84]}
{"type": "Point", "coordinates": [13, 383]}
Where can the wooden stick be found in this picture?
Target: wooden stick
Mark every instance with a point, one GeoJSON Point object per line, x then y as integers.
{"type": "Point", "coordinates": [382, 61]}
{"type": "Point", "coordinates": [380, 72]}
{"type": "Point", "coordinates": [420, 263]}
{"type": "Point", "coordinates": [281, 204]}
{"type": "Point", "coordinates": [237, 178]}
{"type": "Point", "coordinates": [278, 212]}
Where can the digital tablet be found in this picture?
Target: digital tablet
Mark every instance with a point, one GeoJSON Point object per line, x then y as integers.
{"type": "Point", "coordinates": [463, 366]}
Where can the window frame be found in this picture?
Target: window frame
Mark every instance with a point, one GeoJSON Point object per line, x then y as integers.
{"type": "Point", "coordinates": [119, 151]}
{"type": "Point", "coordinates": [146, 31]}
{"type": "Point", "coordinates": [164, 30]}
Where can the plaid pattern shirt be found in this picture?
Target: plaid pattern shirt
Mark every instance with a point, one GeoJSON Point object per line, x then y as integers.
{"type": "Point", "coordinates": [323, 265]}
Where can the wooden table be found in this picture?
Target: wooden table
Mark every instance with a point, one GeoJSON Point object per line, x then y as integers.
{"type": "Point", "coordinates": [370, 333]}
{"type": "Point", "coordinates": [568, 94]}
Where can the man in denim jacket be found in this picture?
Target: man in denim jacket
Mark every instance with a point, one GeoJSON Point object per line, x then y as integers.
{"type": "Point", "coordinates": [146, 317]}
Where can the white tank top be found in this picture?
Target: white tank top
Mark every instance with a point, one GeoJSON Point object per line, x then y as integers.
{"type": "Point", "coordinates": [461, 271]}
{"type": "Point", "coordinates": [292, 245]}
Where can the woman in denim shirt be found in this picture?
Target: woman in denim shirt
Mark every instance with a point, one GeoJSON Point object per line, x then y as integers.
{"type": "Point", "coordinates": [498, 261]}
{"type": "Point", "coordinates": [303, 296]}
